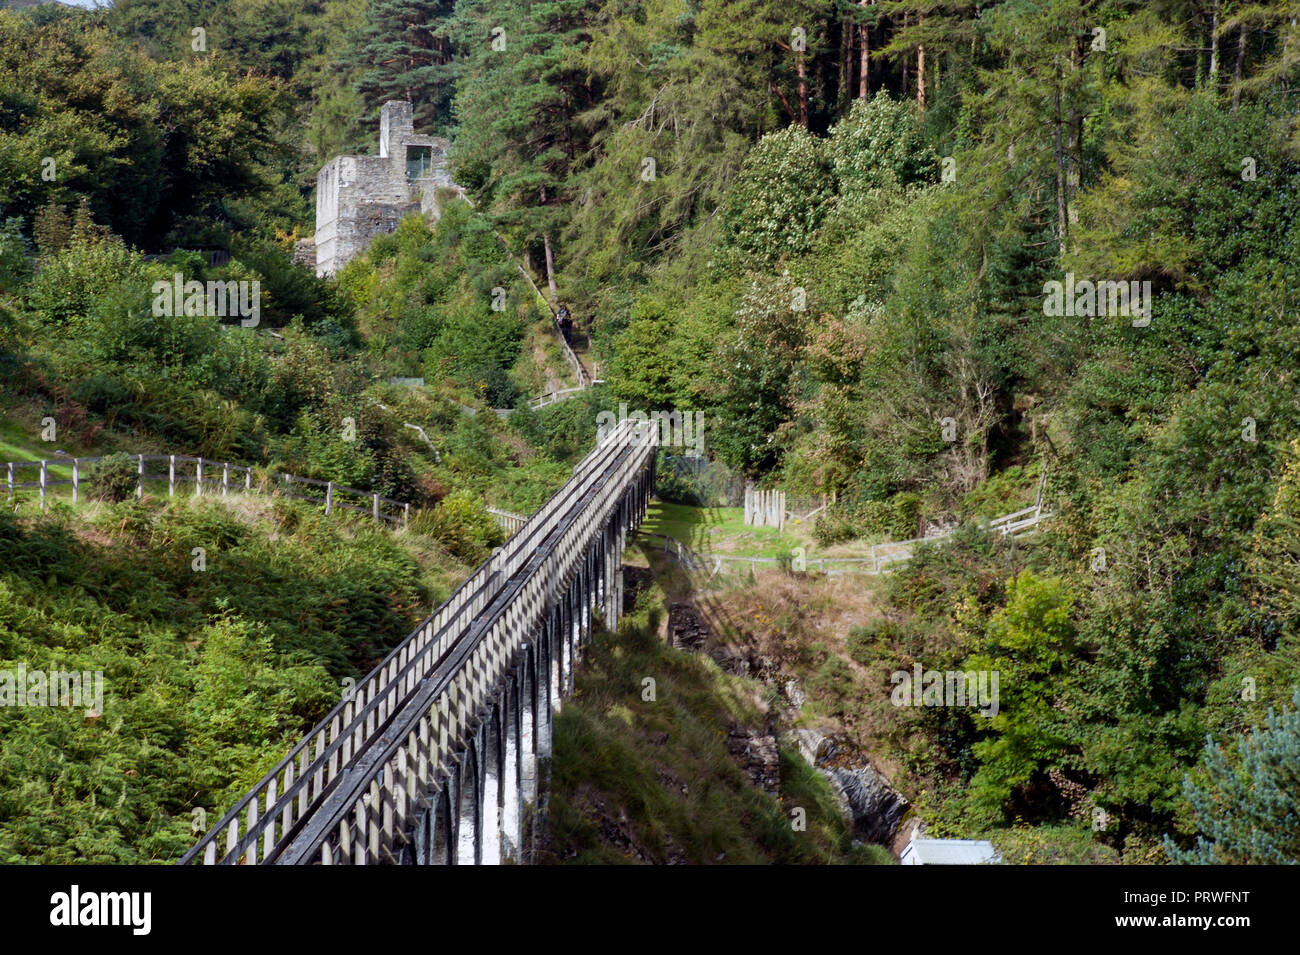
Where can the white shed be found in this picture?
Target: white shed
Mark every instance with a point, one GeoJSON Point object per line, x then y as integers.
{"type": "Point", "coordinates": [949, 852]}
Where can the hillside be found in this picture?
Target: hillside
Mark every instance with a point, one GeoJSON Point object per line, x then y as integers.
{"type": "Point", "coordinates": [210, 667]}
{"type": "Point", "coordinates": [915, 265]}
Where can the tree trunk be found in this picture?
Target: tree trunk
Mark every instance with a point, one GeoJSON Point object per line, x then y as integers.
{"type": "Point", "coordinates": [1236, 73]}
{"type": "Point", "coordinates": [864, 58]}
{"type": "Point", "coordinates": [1214, 47]}
{"type": "Point", "coordinates": [1074, 151]}
{"type": "Point", "coordinates": [785, 103]}
{"type": "Point", "coordinates": [848, 43]}
{"type": "Point", "coordinates": [1062, 220]}
{"type": "Point", "coordinates": [801, 68]}
{"type": "Point", "coordinates": [550, 266]}
{"type": "Point", "coordinates": [905, 60]}
{"type": "Point", "coordinates": [920, 76]}
{"type": "Point", "coordinates": [546, 246]}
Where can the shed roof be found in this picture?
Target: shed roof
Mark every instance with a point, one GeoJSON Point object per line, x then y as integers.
{"type": "Point", "coordinates": [949, 852]}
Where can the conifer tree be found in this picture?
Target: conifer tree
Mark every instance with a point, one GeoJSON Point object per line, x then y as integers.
{"type": "Point", "coordinates": [405, 50]}
{"type": "Point", "coordinates": [1245, 800]}
{"type": "Point", "coordinates": [522, 85]}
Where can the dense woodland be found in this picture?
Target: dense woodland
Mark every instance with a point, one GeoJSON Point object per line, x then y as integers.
{"type": "Point", "coordinates": [828, 225]}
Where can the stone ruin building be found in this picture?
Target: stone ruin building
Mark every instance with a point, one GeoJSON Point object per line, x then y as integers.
{"type": "Point", "coordinates": [360, 197]}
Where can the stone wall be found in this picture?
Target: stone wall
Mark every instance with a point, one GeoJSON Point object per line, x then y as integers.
{"type": "Point", "coordinates": [360, 197]}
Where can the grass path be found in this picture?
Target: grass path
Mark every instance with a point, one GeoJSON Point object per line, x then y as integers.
{"type": "Point", "coordinates": [722, 530]}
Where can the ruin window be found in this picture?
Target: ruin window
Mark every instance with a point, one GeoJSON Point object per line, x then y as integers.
{"type": "Point", "coordinates": [419, 161]}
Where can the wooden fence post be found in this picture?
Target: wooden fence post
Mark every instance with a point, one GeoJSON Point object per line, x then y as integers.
{"type": "Point", "coordinates": [329, 496]}
{"type": "Point", "coordinates": [44, 472]}
{"type": "Point", "coordinates": [376, 510]}
{"type": "Point", "coordinates": [225, 479]}
{"type": "Point", "coordinates": [171, 475]}
{"type": "Point", "coordinates": [11, 480]}
{"type": "Point", "coordinates": [198, 478]}
{"type": "Point", "coordinates": [139, 482]}
{"type": "Point", "coordinates": [76, 480]}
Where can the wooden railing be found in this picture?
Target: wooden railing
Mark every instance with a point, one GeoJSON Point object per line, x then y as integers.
{"type": "Point", "coordinates": [207, 477]}
{"type": "Point", "coordinates": [509, 522]}
{"type": "Point", "coordinates": [551, 397]}
{"type": "Point", "coordinates": [346, 792]}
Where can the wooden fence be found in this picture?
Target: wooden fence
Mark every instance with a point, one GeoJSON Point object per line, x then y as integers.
{"type": "Point", "coordinates": [509, 522]}
{"type": "Point", "coordinates": [206, 477]}
{"type": "Point", "coordinates": [765, 508]}
{"type": "Point", "coordinates": [1015, 525]}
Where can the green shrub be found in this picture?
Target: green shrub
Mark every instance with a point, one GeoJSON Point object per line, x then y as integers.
{"type": "Point", "coordinates": [867, 642]}
{"type": "Point", "coordinates": [1243, 800]}
{"type": "Point", "coordinates": [463, 525]}
{"type": "Point", "coordinates": [905, 515]}
{"type": "Point", "coordinates": [832, 686]}
{"type": "Point", "coordinates": [113, 478]}
{"type": "Point", "coordinates": [71, 284]}
{"type": "Point", "coordinates": [13, 254]}
{"type": "Point", "coordinates": [895, 519]}
{"type": "Point", "coordinates": [834, 527]}
{"type": "Point", "coordinates": [780, 196]}
{"type": "Point", "coordinates": [879, 144]}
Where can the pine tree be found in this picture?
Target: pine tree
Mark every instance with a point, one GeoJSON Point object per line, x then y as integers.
{"type": "Point", "coordinates": [521, 88]}
{"type": "Point", "coordinates": [405, 50]}
{"type": "Point", "coordinates": [1245, 804]}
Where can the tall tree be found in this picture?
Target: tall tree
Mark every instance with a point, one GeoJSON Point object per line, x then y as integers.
{"type": "Point", "coordinates": [406, 50]}
{"type": "Point", "coordinates": [522, 86]}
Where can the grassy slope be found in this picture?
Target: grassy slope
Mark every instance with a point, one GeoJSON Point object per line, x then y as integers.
{"type": "Point", "coordinates": [209, 677]}
{"type": "Point", "coordinates": [652, 781]}
{"type": "Point", "coordinates": [809, 627]}
{"type": "Point", "coordinates": [722, 530]}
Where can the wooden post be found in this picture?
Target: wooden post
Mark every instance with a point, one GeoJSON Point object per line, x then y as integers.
{"type": "Point", "coordinates": [406, 515]}
{"type": "Point", "coordinates": [248, 479]}
{"type": "Point", "coordinates": [250, 856]}
{"type": "Point", "coordinates": [139, 483]}
{"type": "Point", "coordinates": [171, 475]}
{"type": "Point", "coordinates": [44, 473]}
{"type": "Point", "coordinates": [268, 834]}
{"type": "Point", "coordinates": [76, 480]}
{"type": "Point", "coordinates": [225, 479]}
{"type": "Point", "coordinates": [376, 511]}
{"type": "Point", "coordinates": [329, 496]}
{"type": "Point", "coordinates": [198, 478]}
{"type": "Point", "coordinates": [11, 480]}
